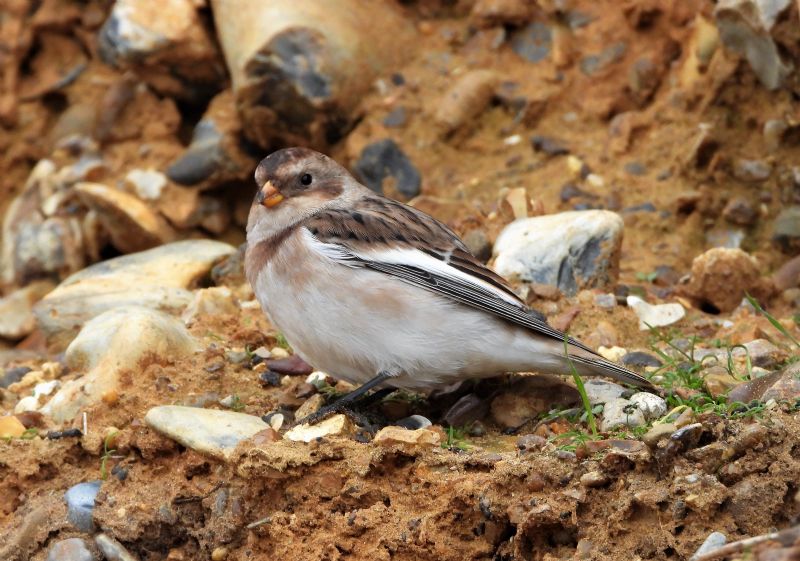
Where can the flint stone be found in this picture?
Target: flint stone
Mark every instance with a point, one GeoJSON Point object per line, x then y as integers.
{"type": "Point", "coordinates": [651, 315]}
{"type": "Point", "coordinates": [384, 160]}
{"type": "Point", "coordinates": [72, 549]}
{"type": "Point", "coordinates": [570, 250]}
{"type": "Point", "coordinates": [110, 344]}
{"type": "Point", "coordinates": [212, 432]}
{"type": "Point", "coordinates": [80, 504]}
{"type": "Point", "coordinates": [158, 278]}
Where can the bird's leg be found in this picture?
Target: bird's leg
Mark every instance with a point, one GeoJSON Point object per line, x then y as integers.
{"type": "Point", "coordinates": [343, 404]}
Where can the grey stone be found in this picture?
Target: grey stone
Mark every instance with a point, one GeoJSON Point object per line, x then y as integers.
{"type": "Point", "coordinates": [414, 422]}
{"type": "Point", "coordinates": [157, 278]}
{"type": "Point", "coordinates": [72, 549]}
{"type": "Point", "coordinates": [786, 230]}
{"type": "Point", "coordinates": [533, 42]}
{"type": "Point", "coordinates": [396, 118]}
{"type": "Point", "coordinates": [80, 504]}
{"type": "Point", "coordinates": [641, 359]}
{"type": "Point", "coordinates": [601, 391]}
{"type": "Point", "coordinates": [384, 159]}
{"type": "Point", "coordinates": [592, 64]}
{"type": "Point", "coordinates": [13, 375]}
{"type": "Point", "coordinates": [715, 540]}
{"type": "Point", "coordinates": [548, 145]}
{"type": "Point", "coordinates": [202, 158]}
{"type": "Point", "coordinates": [621, 412]}
{"type": "Point", "coordinates": [210, 431]}
{"type": "Point", "coordinates": [112, 549]}
{"type": "Point", "coordinates": [570, 250]}
{"type": "Point", "coordinates": [751, 171]}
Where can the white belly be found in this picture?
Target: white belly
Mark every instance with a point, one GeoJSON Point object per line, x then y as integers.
{"type": "Point", "coordinates": [354, 324]}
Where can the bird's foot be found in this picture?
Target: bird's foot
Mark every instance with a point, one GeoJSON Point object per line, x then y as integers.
{"type": "Point", "coordinates": [335, 408]}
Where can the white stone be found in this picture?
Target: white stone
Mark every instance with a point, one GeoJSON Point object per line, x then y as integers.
{"type": "Point", "coordinates": [148, 183]}
{"type": "Point", "coordinates": [614, 354]}
{"type": "Point", "coordinates": [158, 278]}
{"type": "Point", "coordinates": [210, 431]}
{"type": "Point", "coordinates": [214, 301]}
{"type": "Point", "coordinates": [652, 406]}
{"type": "Point", "coordinates": [16, 310]}
{"type": "Point", "coordinates": [602, 391]}
{"type": "Point", "coordinates": [110, 344]}
{"type": "Point", "coordinates": [621, 412]}
{"type": "Point", "coordinates": [658, 315]}
{"type": "Point", "coordinates": [27, 403]}
{"type": "Point", "coordinates": [571, 250]}
{"type": "Point", "coordinates": [332, 426]}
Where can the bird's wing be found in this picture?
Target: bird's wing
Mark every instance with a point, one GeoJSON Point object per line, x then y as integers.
{"type": "Point", "coordinates": [398, 240]}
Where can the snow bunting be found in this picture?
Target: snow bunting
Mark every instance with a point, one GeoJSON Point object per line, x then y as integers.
{"type": "Point", "coordinates": [376, 292]}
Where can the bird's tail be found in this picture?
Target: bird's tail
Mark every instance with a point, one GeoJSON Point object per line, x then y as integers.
{"type": "Point", "coordinates": [590, 364]}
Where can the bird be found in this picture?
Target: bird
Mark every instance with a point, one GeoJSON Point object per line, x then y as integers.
{"type": "Point", "coordinates": [380, 294]}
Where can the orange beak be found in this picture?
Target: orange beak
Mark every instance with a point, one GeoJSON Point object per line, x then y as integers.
{"type": "Point", "coordinates": [270, 196]}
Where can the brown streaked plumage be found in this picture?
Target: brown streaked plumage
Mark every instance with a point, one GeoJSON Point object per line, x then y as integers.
{"type": "Point", "coordinates": [388, 289]}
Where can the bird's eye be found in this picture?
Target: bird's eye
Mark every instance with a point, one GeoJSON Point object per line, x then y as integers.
{"type": "Point", "coordinates": [306, 179]}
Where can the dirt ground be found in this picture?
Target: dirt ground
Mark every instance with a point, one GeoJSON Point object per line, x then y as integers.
{"type": "Point", "coordinates": [662, 147]}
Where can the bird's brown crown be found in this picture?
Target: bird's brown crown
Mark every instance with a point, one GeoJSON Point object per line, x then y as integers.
{"type": "Point", "coordinates": [296, 172]}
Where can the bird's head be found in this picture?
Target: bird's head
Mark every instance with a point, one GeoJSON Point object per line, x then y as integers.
{"type": "Point", "coordinates": [293, 184]}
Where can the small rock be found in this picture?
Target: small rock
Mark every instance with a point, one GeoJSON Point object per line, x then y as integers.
{"type": "Point", "coordinates": [652, 406]}
{"type": "Point", "coordinates": [773, 132]}
{"type": "Point", "coordinates": [762, 353]}
{"type": "Point", "coordinates": [396, 118]}
{"type": "Point", "coordinates": [641, 359]}
{"type": "Point", "coordinates": [337, 425]}
{"type": "Point", "coordinates": [594, 479]}
{"type": "Point", "coordinates": [786, 387]}
{"type": "Point", "coordinates": [16, 310]}
{"type": "Point", "coordinates": [465, 100]}
{"type": "Point", "coordinates": [13, 375]}
{"type": "Point", "coordinates": [571, 250]}
{"type": "Point", "coordinates": [621, 412]}
{"type": "Point", "coordinates": [614, 354]}
{"type": "Point", "coordinates": [291, 366]}
{"type": "Point", "coordinates": [657, 433]}
{"type": "Point", "coordinates": [110, 344]}
{"type": "Point", "coordinates": [729, 238]}
{"type": "Point", "coordinates": [219, 554]}
{"type": "Point", "coordinates": [720, 278]}
{"type": "Point", "coordinates": [550, 146]}
{"type": "Point", "coordinates": [655, 315]}
{"type": "Point", "coordinates": [131, 224]}
{"type": "Point", "coordinates": [531, 443]}
{"type": "Point", "coordinates": [635, 168]}
{"type": "Point", "coordinates": [744, 27]}
{"type": "Point", "coordinates": [467, 409]}
{"type": "Point", "coordinates": [605, 301]}
{"type": "Point", "coordinates": [751, 171]}
{"type": "Point", "coordinates": [718, 381]}
{"type": "Point", "coordinates": [788, 277]}
{"type": "Point", "coordinates": [310, 406]}
{"type": "Point", "coordinates": [208, 431]}
{"type": "Point", "coordinates": [266, 436]}
{"type": "Point", "coordinates": [80, 504]}
{"type": "Point", "coordinates": [786, 230]}
{"type": "Point", "coordinates": [147, 183]}
{"type": "Point", "coordinates": [158, 278]}
{"type": "Point", "coordinates": [214, 301]}
{"type": "Point", "coordinates": [478, 244]}
{"type": "Point", "coordinates": [528, 397]}
{"type": "Point", "coordinates": [71, 549]}
{"type": "Point", "coordinates": [593, 64]}
{"type": "Point", "coordinates": [392, 436]}
{"type": "Point", "coordinates": [533, 42]}
{"type": "Point", "coordinates": [739, 211]}
{"type": "Point", "coordinates": [11, 427]}
{"type": "Point", "coordinates": [112, 549]}
{"type": "Point", "coordinates": [714, 541]}
{"type": "Point", "coordinates": [414, 422]}
{"type": "Point", "coordinates": [384, 160]}
{"type": "Point", "coordinates": [601, 391]}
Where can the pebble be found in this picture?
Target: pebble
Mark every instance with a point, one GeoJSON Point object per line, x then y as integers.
{"type": "Point", "coordinates": [71, 549]}
{"type": "Point", "coordinates": [337, 425]}
{"type": "Point", "coordinates": [310, 406]}
{"type": "Point", "coordinates": [751, 171]}
{"type": "Point", "coordinates": [657, 433]}
{"type": "Point", "coordinates": [219, 554]}
{"type": "Point", "coordinates": [593, 64]}
{"type": "Point", "coordinates": [530, 443]}
{"type": "Point", "coordinates": [530, 396]}
{"type": "Point", "coordinates": [720, 278]}
{"type": "Point", "coordinates": [570, 250]}
{"type": "Point", "coordinates": [739, 211]}
{"type": "Point", "coordinates": [714, 541]}
{"type": "Point", "coordinates": [614, 354]}
{"type": "Point", "coordinates": [786, 230]}
{"type": "Point", "coordinates": [291, 365]}
{"type": "Point", "coordinates": [652, 406]}
{"type": "Point", "coordinates": [112, 549]}
{"type": "Point", "coordinates": [533, 42]}
{"type": "Point", "coordinates": [384, 159]}
{"type": "Point", "coordinates": [621, 412]}
{"type": "Point", "coordinates": [594, 479]}
{"type": "Point", "coordinates": [658, 315]}
{"type": "Point", "coordinates": [11, 427]}
{"type": "Point", "coordinates": [414, 422]}
{"type": "Point", "coordinates": [549, 146]}
{"type": "Point", "coordinates": [13, 375]}
{"type": "Point", "coordinates": [465, 100]}
{"type": "Point", "coordinates": [16, 310]}
{"type": "Point", "coordinates": [605, 301]}
{"type": "Point", "coordinates": [157, 278]}
{"type": "Point", "coordinates": [80, 504]}
{"type": "Point", "coordinates": [393, 436]}
{"type": "Point", "coordinates": [147, 183]}
{"type": "Point", "coordinates": [113, 342]}
{"type": "Point", "coordinates": [395, 118]}
{"type": "Point", "coordinates": [641, 359]}
{"type": "Point", "coordinates": [601, 391]}
{"type": "Point", "coordinates": [467, 409]}
{"type": "Point", "coordinates": [212, 432]}
{"type": "Point", "coordinates": [213, 301]}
